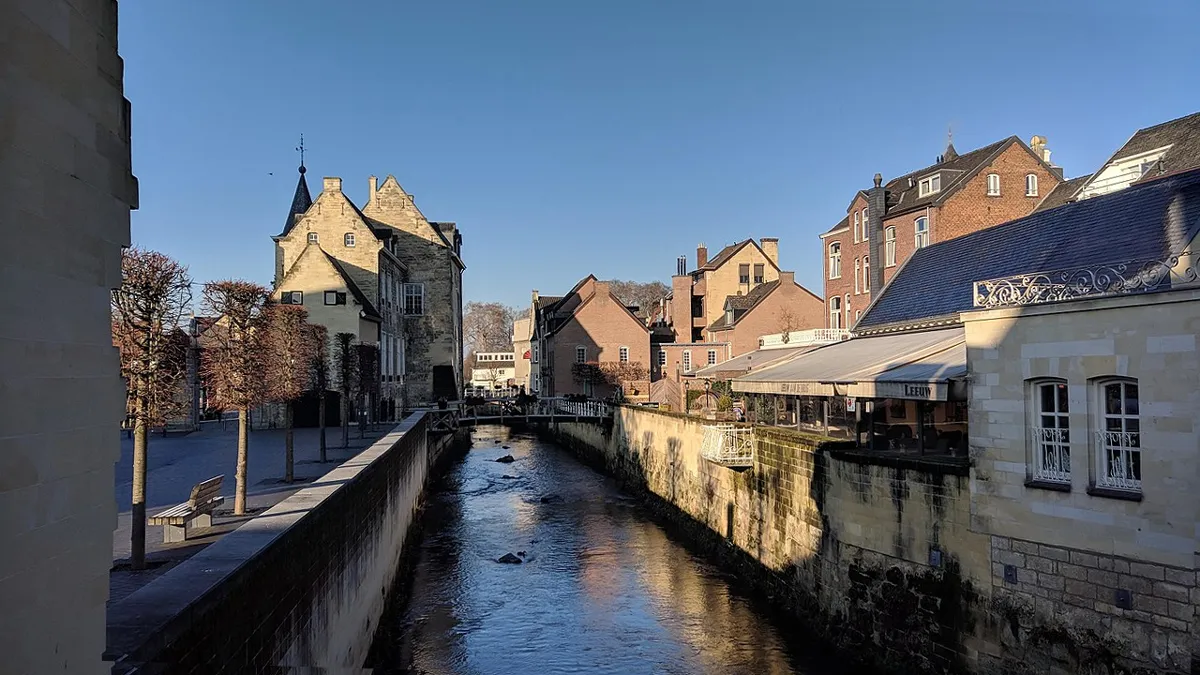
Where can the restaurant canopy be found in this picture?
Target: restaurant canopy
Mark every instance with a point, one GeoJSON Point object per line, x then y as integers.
{"type": "Point", "coordinates": [754, 360]}
{"type": "Point", "coordinates": [926, 365]}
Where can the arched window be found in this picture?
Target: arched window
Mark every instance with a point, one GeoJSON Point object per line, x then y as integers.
{"type": "Point", "coordinates": [581, 354]}
{"type": "Point", "coordinates": [866, 274]}
{"type": "Point", "coordinates": [623, 354]}
{"type": "Point", "coordinates": [889, 246]}
{"type": "Point", "coordinates": [835, 260]}
{"type": "Point", "coordinates": [835, 312]}
{"type": "Point", "coordinates": [1031, 185]}
{"type": "Point", "coordinates": [846, 304]}
{"type": "Point", "coordinates": [921, 228]}
{"type": "Point", "coordinates": [856, 230]}
{"type": "Point", "coordinates": [993, 185]}
{"type": "Point", "coordinates": [314, 238]}
{"type": "Point", "coordinates": [348, 239]}
{"type": "Point", "coordinates": [1118, 434]}
{"type": "Point", "coordinates": [857, 271]}
{"type": "Point", "coordinates": [1049, 431]}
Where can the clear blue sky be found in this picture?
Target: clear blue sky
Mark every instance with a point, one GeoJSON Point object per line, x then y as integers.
{"type": "Point", "coordinates": [572, 137]}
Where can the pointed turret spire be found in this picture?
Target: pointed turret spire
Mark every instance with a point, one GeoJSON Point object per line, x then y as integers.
{"type": "Point", "coordinates": [950, 153]}
{"type": "Point", "coordinates": [302, 199]}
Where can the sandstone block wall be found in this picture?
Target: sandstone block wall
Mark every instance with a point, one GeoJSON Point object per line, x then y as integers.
{"type": "Point", "coordinates": [65, 197]}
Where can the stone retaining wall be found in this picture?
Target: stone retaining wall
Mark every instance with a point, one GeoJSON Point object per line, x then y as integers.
{"type": "Point", "coordinates": [300, 586]}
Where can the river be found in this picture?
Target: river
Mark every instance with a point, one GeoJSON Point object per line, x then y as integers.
{"type": "Point", "coordinates": [602, 588]}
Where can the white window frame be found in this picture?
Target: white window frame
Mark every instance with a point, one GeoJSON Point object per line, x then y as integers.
{"type": "Point", "coordinates": [580, 354]}
{"type": "Point", "coordinates": [889, 246]}
{"type": "Point", "coordinates": [289, 298]}
{"type": "Point", "coordinates": [847, 308]}
{"type": "Point", "coordinates": [1049, 430]}
{"type": "Point", "coordinates": [420, 294]}
{"type": "Point", "coordinates": [835, 260]}
{"type": "Point", "coordinates": [1031, 185]}
{"type": "Point", "coordinates": [864, 225]}
{"type": "Point", "coordinates": [993, 185]}
{"type": "Point", "coordinates": [866, 274]}
{"type": "Point", "coordinates": [929, 185]}
{"type": "Point", "coordinates": [835, 312]}
{"type": "Point", "coordinates": [1118, 451]}
{"type": "Point", "coordinates": [856, 230]}
{"type": "Point", "coordinates": [857, 270]}
{"type": "Point", "coordinates": [534, 349]}
{"type": "Point", "coordinates": [348, 239]}
{"type": "Point", "coordinates": [314, 238]}
{"type": "Point", "coordinates": [712, 357]}
{"type": "Point", "coordinates": [687, 360]}
{"type": "Point", "coordinates": [662, 358]}
{"type": "Point", "coordinates": [623, 354]}
{"type": "Point", "coordinates": [921, 232]}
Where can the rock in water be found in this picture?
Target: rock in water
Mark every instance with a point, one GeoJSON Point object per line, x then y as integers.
{"type": "Point", "coordinates": [521, 553]}
{"type": "Point", "coordinates": [507, 459]}
{"type": "Point", "coordinates": [504, 447]}
{"type": "Point", "coordinates": [508, 477]}
{"type": "Point", "coordinates": [551, 498]}
{"type": "Point", "coordinates": [509, 559]}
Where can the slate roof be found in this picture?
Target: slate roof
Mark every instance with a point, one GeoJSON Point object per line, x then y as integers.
{"type": "Point", "coordinates": [725, 254]}
{"type": "Point", "coordinates": [1063, 193]}
{"type": "Point", "coordinates": [1183, 135]}
{"type": "Point", "coordinates": [741, 304]}
{"type": "Point", "coordinates": [300, 202]}
{"type": "Point", "coordinates": [1151, 220]}
{"type": "Point", "coordinates": [359, 297]}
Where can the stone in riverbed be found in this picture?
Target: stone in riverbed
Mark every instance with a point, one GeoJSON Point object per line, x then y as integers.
{"type": "Point", "coordinates": [509, 559]}
{"type": "Point", "coordinates": [508, 477]}
{"type": "Point", "coordinates": [549, 499]}
{"type": "Point", "coordinates": [507, 459]}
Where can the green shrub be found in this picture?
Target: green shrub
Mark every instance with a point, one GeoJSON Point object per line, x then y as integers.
{"type": "Point", "coordinates": [692, 395]}
{"type": "Point", "coordinates": [725, 403]}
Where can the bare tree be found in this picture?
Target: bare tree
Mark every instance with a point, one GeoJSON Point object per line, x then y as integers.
{"type": "Point", "coordinates": [644, 295]}
{"type": "Point", "coordinates": [367, 385]}
{"type": "Point", "coordinates": [234, 360]}
{"type": "Point", "coordinates": [488, 327]}
{"type": "Point", "coordinates": [345, 368]}
{"type": "Point", "coordinates": [146, 310]}
{"type": "Point", "coordinates": [289, 352]}
{"type": "Point", "coordinates": [788, 322]}
{"type": "Point", "coordinates": [319, 377]}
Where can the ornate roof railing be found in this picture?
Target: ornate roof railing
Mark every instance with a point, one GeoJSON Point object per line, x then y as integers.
{"type": "Point", "coordinates": [1104, 279]}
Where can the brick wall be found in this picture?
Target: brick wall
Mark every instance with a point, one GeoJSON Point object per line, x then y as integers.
{"type": "Point", "coordinates": [806, 310]}
{"type": "Point", "coordinates": [65, 197]}
{"type": "Point", "coordinates": [601, 326]}
{"type": "Point", "coordinates": [971, 209]}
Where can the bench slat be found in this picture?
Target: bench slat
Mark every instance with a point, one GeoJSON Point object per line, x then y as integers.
{"type": "Point", "coordinates": [204, 490]}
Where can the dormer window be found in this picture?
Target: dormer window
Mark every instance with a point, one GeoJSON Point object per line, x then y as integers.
{"type": "Point", "coordinates": [930, 185]}
{"type": "Point", "coordinates": [729, 317]}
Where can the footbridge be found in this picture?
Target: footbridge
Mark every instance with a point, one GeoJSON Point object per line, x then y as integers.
{"type": "Point", "coordinates": [511, 411]}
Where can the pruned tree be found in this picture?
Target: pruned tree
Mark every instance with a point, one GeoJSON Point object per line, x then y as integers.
{"type": "Point", "coordinates": [366, 388]}
{"type": "Point", "coordinates": [488, 327]}
{"type": "Point", "coordinates": [146, 311]}
{"type": "Point", "coordinates": [345, 370]}
{"type": "Point", "coordinates": [234, 360]}
{"type": "Point", "coordinates": [319, 377]}
{"type": "Point", "coordinates": [788, 321]}
{"type": "Point", "coordinates": [289, 352]}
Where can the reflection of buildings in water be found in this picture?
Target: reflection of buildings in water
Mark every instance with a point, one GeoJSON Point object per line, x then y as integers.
{"type": "Point", "coordinates": [721, 629]}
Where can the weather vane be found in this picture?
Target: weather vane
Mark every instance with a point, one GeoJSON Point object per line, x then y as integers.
{"type": "Point", "coordinates": [300, 149]}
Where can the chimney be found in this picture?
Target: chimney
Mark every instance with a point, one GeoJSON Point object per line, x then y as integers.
{"type": "Point", "coordinates": [770, 246]}
{"type": "Point", "coordinates": [373, 182]}
{"type": "Point", "coordinates": [681, 266]}
{"type": "Point", "coordinates": [701, 256]}
{"type": "Point", "coordinates": [876, 206]}
{"type": "Point", "coordinates": [1038, 145]}
{"type": "Point", "coordinates": [786, 278]}
{"type": "Point", "coordinates": [332, 184]}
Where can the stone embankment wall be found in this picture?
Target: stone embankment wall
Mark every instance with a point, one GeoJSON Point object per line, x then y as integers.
{"type": "Point", "coordinates": [886, 558]}
{"type": "Point", "coordinates": [300, 586]}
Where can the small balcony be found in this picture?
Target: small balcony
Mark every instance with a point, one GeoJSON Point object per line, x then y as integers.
{"type": "Point", "coordinates": [728, 445]}
{"type": "Point", "coordinates": [803, 338]}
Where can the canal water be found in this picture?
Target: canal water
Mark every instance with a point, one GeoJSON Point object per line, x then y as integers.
{"type": "Point", "coordinates": [601, 589]}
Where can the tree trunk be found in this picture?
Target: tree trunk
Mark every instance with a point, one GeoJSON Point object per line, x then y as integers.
{"type": "Point", "coordinates": [321, 423]}
{"type": "Point", "coordinates": [345, 419]}
{"type": "Point", "coordinates": [288, 449]}
{"type": "Point", "coordinates": [239, 497]}
{"type": "Point", "coordinates": [137, 544]}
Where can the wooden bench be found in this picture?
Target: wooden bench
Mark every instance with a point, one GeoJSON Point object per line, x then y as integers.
{"type": "Point", "coordinates": [179, 521]}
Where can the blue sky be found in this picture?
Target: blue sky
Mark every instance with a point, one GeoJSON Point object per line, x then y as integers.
{"type": "Point", "coordinates": [571, 137]}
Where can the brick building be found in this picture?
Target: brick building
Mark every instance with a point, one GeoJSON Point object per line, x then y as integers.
{"type": "Point", "coordinates": [589, 342]}
{"type": "Point", "coordinates": [383, 273]}
{"type": "Point", "coordinates": [779, 306]}
{"type": "Point", "coordinates": [698, 297]}
{"type": "Point", "coordinates": [957, 195]}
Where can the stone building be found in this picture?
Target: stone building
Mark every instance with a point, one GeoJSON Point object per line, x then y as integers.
{"type": "Point", "coordinates": [384, 274]}
{"type": "Point", "coordinates": [957, 195]}
{"type": "Point", "coordinates": [64, 205]}
{"type": "Point", "coordinates": [590, 343]}
{"type": "Point", "coordinates": [523, 352]}
{"type": "Point", "coordinates": [493, 373]}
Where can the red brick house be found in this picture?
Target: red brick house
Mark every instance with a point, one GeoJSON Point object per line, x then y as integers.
{"type": "Point", "coordinates": [779, 306]}
{"type": "Point", "coordinates": [589, 342]}
{"type": "Point", "coordinates": [957, 195]}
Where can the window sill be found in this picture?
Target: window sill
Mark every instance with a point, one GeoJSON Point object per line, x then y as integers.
{"type": "Point", "coordinates": [1048, 485]}
{"type": "Point", "coordinates": [1112, 493]}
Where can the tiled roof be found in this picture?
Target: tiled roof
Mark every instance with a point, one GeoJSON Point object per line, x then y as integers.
{"type": "Point", "coordinates": [741, 304]}
{"type": "Point", "coordinates": [1062, 193]}
{"type": "Point", "coordinates": [1148, 221]}
{"type": "Point", "coordinates": [360, 297]}
{"type": "Point", "coordinates": [842, 224]}
{"type": "Point", "coordinates": [725, 253]}
{"type": "Point", "coordinates": [300, 202]}
{"type": "Point", "coordinates": [1183, 135]}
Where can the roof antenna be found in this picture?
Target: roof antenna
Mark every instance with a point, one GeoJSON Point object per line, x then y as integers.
{"type": "Point", "coordinates": [300, 149]}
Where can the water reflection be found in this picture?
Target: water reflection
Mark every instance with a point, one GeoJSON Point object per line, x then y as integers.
{"type": "Point", "coordinates": [602, 588]}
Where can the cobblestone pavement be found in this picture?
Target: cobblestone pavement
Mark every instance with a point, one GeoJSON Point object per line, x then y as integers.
{"type": "Point", "coordinates": [176, 463]}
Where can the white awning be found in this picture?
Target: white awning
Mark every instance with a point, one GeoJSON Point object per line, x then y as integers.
{"type": "Point", "coordinates": [905, 365]}
{"type": "Point", "coordinates": [759, 358]}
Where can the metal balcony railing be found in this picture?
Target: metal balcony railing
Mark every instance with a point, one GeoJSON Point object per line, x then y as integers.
{"type": "Point", "coordinates": [1051, 455]}
{"type": "Point", "coordinates": [1103, 279]}
{"type": "Point", "coordinates": [728, 445]}
{"type": "Point", "coordinates": [1120, 455]}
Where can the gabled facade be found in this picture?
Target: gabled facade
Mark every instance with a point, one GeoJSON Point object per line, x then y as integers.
{"type": "Point", "coordinates": [957, 195]}
{"type": "Point", "coordinates": [392, 279]}
{"type": "Point", "coordinates": [779, 306]}
{"type": "Point", "coordinates": [586, 335]}
{"type": "Point", "coordinates": [698, 297]}
{"type": "Point", "coordinates": [1164, 148]}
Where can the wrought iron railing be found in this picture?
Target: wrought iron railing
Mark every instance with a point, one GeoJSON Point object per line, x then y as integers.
{"type": "Point", "coordinates": [1051, 455]}
{"type": "Point", "coordinates": [728, 445]}
{"type": "Point", "coordinates": [1120, 455]}
{"type": "Point", "coordinates": [1035, 288]}
{"type": "Point", "coordinates": [801, 338]}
